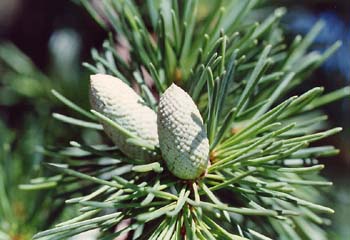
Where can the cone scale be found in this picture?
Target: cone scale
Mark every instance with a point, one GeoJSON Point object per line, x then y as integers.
{"type": "Point", "coordinates": [182, 135]}
{"type": "Point", "coordinates": [120, 103]}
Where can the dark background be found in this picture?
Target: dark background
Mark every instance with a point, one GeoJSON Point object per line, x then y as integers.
{"type": "Point", "coordinates": [29, 24]}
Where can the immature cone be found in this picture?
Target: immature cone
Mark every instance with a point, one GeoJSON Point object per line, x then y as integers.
{"type": "Point", "coordinates": [182, 135]}
{"type": "Point", "coordinates": [113, 98]}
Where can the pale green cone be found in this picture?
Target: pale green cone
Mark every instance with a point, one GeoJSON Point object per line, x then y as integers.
{"type": "Point", "coordinates": [114, 99]}
{"type": "Point", "coordinates": [182, 135]}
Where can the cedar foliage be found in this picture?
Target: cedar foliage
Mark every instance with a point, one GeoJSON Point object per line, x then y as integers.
{"type": "Point", "coordinates": [263, 181]}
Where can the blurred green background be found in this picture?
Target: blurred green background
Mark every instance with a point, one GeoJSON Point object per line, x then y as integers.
{"type": "Point", "coordinates": [42, 45]}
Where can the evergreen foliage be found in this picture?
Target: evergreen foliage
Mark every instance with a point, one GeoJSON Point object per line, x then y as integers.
{"type": "Point", "coordinates": [24, 105]}
{"type": "Point", "coordinates": [263, 180]}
